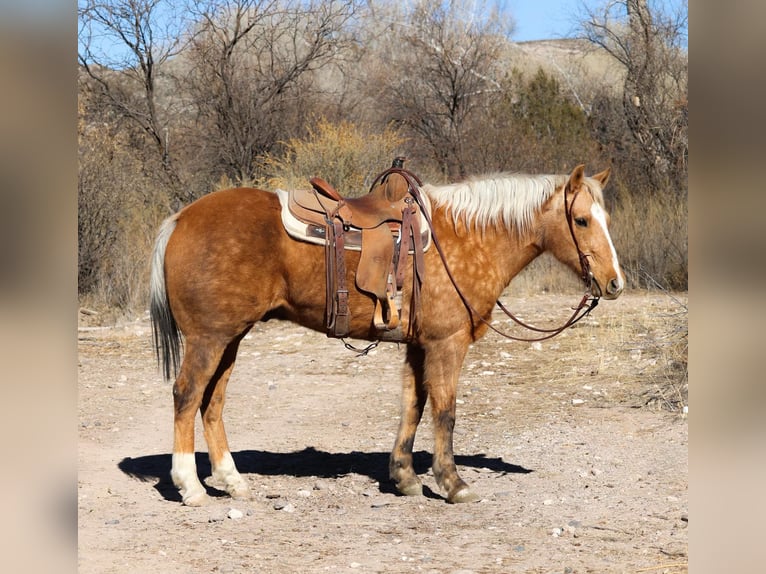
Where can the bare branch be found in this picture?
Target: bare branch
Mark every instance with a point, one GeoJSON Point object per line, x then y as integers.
{"type": "Point", "coordinates": [122, 44]}
{"type": "Point", "coordinates": [250, 61]}
{"type": "Point", "coordinates": [647, 43]}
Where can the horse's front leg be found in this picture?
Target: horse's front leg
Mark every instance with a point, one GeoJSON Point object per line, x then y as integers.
{"type": "Point", "coordinates": [414, 396]}
{"type": "Point", "coordinates": [443, 361]}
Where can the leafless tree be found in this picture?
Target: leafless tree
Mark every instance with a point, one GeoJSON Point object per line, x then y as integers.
{"type": "Point", "coordinates": [122, 46]}
{"type": "Point", "coordinates": [647, 42]}
{"type": "Point", "coordinates": [439, 69]}
{"type": "Point", "coordinates": [250, 65]}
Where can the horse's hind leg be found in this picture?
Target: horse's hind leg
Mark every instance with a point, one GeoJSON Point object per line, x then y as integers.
{"type": "Point", "coordinates": [414, 396]}
{"type": "Point", "coordinates": [224, 470]}
{"type": "Point", "coordinates": [201, 360]}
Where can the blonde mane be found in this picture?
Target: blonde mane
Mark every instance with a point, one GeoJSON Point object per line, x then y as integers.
{"type": "Point", "coordinates": [502, 199]}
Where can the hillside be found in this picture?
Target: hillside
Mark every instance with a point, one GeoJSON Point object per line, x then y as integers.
{"type": "Point", "coordinates": [574, 61]}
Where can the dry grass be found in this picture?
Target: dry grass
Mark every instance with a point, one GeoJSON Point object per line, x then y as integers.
{"type": "Point", "coordinates": [670, 345]}
{"type": "Point", "coordinates": [651, 350]}
{"type": "Point", "coordinates": [651, 237]}
{"type": "Point", "coordinates": [629, 352]}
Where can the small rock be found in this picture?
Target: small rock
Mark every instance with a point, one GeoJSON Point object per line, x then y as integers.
{"type": "Point", "coordinates": [304, 493]}
{"type": "Point", "coordinates": [556, 532]}
{"type": "Point", "coordinates": [577, 402]}
{"type": "Point", "coordinates": [284, 506]}
{"type": "Point", "coordinates": [235, 514]}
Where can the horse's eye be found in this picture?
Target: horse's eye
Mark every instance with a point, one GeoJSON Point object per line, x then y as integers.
{"type": "Point", "coordinates": [581, 222]}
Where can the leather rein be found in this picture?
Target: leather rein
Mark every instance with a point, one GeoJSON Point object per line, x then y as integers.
{"type": "Point", "coordinates": [586, 305]}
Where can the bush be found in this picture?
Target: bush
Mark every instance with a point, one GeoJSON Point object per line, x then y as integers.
{"type": "Point", "coordinates": [120, 206]}
{"type": "Point", "coordinates": [343, 154]}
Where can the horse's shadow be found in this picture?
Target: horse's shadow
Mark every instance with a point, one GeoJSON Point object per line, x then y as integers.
{"type": "Point", "coordinates": [308, 462]}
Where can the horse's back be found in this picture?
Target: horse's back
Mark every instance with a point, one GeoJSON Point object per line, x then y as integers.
{"type": "Point", "coordinates": [217, 212]}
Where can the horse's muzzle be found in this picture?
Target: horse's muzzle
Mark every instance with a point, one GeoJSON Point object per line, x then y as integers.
{"type": "Point", "coordinates": [614, 288]}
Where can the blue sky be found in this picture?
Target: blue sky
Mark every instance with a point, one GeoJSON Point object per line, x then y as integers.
{"type": "Point", "coordinates": [551, 19]}
{"type": "Point", "coordinates": [543, 19]}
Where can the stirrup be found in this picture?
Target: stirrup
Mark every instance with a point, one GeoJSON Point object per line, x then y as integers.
{"type": "Point", "coordinates": [392, 312]}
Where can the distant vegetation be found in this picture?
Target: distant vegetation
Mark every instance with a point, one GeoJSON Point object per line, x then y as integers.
{"type": "Point", "coordinates": [204, 95]}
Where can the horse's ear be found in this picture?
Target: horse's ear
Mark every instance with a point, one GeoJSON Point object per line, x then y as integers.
{"type": "Point", "coordinates": [576, 177]}
{"type": "Point", "coordinates": [603, 177]}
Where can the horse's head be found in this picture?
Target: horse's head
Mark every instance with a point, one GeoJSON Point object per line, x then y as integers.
{"type": "Point", "coordinates": [577, 233]}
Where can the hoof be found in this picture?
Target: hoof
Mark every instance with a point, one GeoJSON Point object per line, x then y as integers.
{"type": "Point", "coordinates": [463, 495]}
{"type": "Point", "coordinates": [412, 489]}
{"type": "Point", "coordinates": [231, 482]}
{"type": "Point", "coordinates": [240, 493]}
{"type": "Point", "coordinates": [235, 486]}
{"type": "Point", "coordinates": [196, 499]}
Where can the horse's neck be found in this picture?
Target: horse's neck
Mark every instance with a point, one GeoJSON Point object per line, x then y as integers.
{"type": "Point", "coordinates": [498, 254]}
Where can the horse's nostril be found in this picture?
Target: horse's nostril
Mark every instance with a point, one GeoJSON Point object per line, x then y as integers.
{"type": "Point", "coordinates": [613, 287]}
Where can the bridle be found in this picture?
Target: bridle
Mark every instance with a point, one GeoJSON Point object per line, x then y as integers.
{"type": "Point", "coordinates": [586, 305]}
{"type": "Point", "coordinates": [586, 273]}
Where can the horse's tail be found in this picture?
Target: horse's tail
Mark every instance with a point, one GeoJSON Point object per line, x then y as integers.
{"type": "Point", "coordinates": [165, 333]}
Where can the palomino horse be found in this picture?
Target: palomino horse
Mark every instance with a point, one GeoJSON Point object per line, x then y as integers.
{"type": "Point", "coordinates": [225, 262]}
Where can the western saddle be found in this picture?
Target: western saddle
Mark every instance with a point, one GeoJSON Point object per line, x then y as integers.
{"type": "Point", "coordinates": [385, 225]}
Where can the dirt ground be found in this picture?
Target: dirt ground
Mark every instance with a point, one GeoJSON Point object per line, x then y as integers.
{"type": "Point", "coordinates": [578, 447]}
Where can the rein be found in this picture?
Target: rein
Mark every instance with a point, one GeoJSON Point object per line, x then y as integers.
{"type": "Point", "coordinates": [586, 305]}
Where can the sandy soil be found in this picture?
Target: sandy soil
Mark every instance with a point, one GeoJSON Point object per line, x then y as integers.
{"type": "Point", "coordinates": [577, 445]}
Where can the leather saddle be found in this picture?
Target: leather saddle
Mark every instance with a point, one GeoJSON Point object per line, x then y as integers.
{"type": "Point", "coordinates": [385, 225]}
